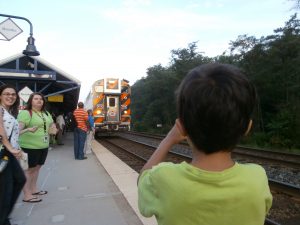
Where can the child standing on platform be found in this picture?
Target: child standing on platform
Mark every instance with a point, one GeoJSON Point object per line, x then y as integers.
{"type": "Point", "coordinates": [214, 105]}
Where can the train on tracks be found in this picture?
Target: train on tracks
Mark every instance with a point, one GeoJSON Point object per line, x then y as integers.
{"type": "Point", "coordinates": [109, 99]}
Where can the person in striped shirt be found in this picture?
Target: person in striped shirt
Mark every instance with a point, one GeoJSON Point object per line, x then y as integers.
{"type": "Point", "coordinates": [80, 131]}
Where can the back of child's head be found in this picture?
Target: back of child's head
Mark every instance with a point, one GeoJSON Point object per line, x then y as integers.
{"type": "Point", "coordinates": [215, 103]}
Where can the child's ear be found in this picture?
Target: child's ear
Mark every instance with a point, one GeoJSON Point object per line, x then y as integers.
{"type": "Point", "coordinates": [180, 127]}
{"type": "Point", "coordinates": [249, 127]}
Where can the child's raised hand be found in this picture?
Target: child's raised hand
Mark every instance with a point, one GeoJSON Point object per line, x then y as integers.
{"type": "Point", "coordinates": [176, 134]}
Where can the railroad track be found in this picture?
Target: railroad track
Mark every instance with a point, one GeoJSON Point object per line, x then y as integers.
{"type": "Point", "coordinates": [126, 150]}
{"type": "Point", "coordinates": [284, 158]}
{"type": "Point", "coordinates": [282, 167]}
{"type": "Point", "coordinates": [145, 152]}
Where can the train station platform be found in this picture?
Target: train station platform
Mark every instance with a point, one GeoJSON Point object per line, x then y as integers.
{"type": "Point", "coordinates": [100, 190]}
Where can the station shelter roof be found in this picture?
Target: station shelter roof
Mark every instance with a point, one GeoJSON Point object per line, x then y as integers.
{"type": "Point", "coordinates": [60, 88]}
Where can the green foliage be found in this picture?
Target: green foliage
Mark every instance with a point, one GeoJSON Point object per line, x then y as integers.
{"type": "Point", "coordinates": [183, 60]}
{"type": "Point", "coordinates": [153, 97]}
{"type": "Point", "coordinates": [272, 64]}
{"type": "Point", "coordinates": [257, 139]}
{"type": "Point", "coordinates": [282, 129]}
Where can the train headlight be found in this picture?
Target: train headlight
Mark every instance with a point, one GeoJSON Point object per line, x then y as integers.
{"type": "Point", "coordinates": [125, 112]}
{"type": "Point", "coordinates": [98, 111]}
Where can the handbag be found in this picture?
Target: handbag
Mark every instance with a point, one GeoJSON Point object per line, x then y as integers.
{"type": "Point", "coordinates": [3, 157]}
{"type": "Point", "coordinates": [24, 161]}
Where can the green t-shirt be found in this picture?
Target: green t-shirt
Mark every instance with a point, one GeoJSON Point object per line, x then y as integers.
{"type": "Point", "coordinates": [40, 138]}
{"type": "Point", "coordinates": [181, 194]}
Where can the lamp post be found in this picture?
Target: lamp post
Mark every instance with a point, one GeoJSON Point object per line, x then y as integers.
{"type": "Point", "coordinates": [30, 48]}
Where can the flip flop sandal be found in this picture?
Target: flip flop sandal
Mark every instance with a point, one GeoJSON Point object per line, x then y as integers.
{"type": "Point", "coordinates": [33, 200]}
{"type": "Point", "coordinates": [40, 193]}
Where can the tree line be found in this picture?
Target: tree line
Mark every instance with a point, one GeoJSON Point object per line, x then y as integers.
{"type": "Point", "coordinates": [272, 63]}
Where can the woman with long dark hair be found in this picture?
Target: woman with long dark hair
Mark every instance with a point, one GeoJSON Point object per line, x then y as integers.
{"type": "Point", "coordinates": [34, 124]}
{"type": "Point", "coordinates": [12, 178]}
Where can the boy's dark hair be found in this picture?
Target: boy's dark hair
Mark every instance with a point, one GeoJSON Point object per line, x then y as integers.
{"type": "Point", "coordinates": [215, 103]}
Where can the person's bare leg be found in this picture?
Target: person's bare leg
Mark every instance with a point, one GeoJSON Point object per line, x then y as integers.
{"type": "Point", "coordinates": [29, 183]}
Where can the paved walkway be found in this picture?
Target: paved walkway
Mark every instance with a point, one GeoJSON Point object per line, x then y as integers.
{"type": "Point", "coordinates": [80, 192]}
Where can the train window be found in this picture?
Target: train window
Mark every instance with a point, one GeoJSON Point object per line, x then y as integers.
{"type": "Point", "coordinates": [112, 102]}
{"type": "Point", "coordinates": [98, 88]}
{"type": "Point", "coordinates": [112, 84]}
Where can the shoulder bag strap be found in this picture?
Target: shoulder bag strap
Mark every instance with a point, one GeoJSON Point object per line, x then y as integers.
{"type": "Point", "coordinates": [12, 129]}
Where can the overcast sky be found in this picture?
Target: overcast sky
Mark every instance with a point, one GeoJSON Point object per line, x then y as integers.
{"type": "Point", "coordinates": [92, 39]}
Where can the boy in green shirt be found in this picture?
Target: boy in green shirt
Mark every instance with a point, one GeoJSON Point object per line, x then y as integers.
{"type": "Point", "coordinates": [214, 105]}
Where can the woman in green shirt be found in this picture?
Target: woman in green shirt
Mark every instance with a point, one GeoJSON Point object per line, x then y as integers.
{"type": "Point", "coordinates": [34, 123]}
